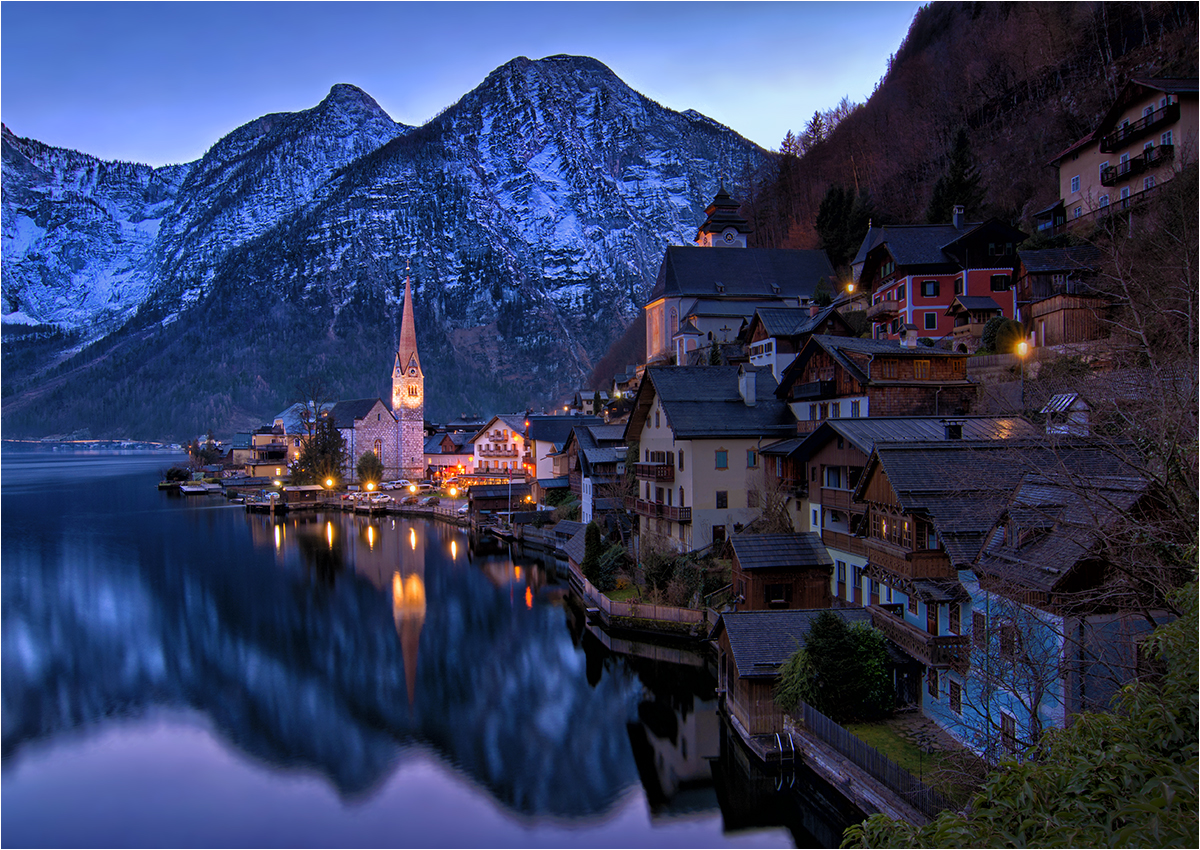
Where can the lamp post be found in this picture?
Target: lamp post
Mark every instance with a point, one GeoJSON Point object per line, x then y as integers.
{"type": "Point", "coordinates": [1022, 350]}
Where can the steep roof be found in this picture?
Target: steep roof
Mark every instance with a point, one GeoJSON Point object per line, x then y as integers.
{"type": "Point", "coordinates": [555, 429]}
{"type": "Point", "coordinates": [1073, 258]}
{"type": "Point", "coordinates": [406, 351]}
{"type": "Point", "coordinates": [703, 402]}
{"type": "Point", "coordinates": [863, 434]}
{"type": "Point", "coordinates": [974, 302]}
{"type": "Point", "coordinates": [841, 349]}
{"type": "Point", "coordinates": [344, 413]}
{"type": "Point", "coordinates": [780, 551]}
{"type": "Point", "coordinates": [761, 641]}
{"type": "Point", "coordinates": [746, 273]}
{"type": "Point", "coordinates": [794, 321]}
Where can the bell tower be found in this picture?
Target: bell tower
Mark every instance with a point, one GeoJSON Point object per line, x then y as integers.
{"type": "Point", "coordinates": [723, 227]}
{"type": "Point", "coordinates": [408, 394]}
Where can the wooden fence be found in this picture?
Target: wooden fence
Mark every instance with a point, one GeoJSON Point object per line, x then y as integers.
{"type": "Point", "coordinates": [916, 793]}
{"type": "Point", "coordinates": [637, 610]}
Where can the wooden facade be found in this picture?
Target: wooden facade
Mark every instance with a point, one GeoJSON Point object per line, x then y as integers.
{"type": "Point", "coordinates": [797, 587]}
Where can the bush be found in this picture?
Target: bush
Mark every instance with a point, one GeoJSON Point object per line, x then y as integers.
{"type": "Point", "coordinates": [842, 672]}
{"type": "Point", "coordinates": [1000, 336]}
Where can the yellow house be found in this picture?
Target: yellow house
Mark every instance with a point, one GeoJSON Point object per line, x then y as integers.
{"type": "Point", "coordinates": [699, 432]}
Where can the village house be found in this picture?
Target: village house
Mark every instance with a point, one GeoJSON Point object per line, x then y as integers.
{"type": "Point", "coordinates": [499, 447]}
{"type": "Point", "coordinates": [1059, 302]}
{"type": "Point", "coordinates": [911, 275]}
{"type": "Point", "coordinates": [852, 378]}
{"type": "Point", "coordinates": [774, 571]}
{"type": "Point", "coordinates": [706, 296]}
{"type": "Point", "coordinates": [544, 438]}
{"type": "Point", "coordinates": [1148, 133]}
{"type": "Point", "coordinates": [751, 647]}
{"type": "Point", "coordinates": [775, 335]}
{"type": "Point", "coordinates": [699, 431]}
{"type": "Point", "coordinates": [593, 460]}
{"type": "Point", "coordinates": [449, 454]}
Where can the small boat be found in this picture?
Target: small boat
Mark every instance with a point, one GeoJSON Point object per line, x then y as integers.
{"type": "Point", "coordinates": [193, 488]}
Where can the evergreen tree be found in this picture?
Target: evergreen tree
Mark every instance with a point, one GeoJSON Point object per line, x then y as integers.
{"type": "Point", "coordinates": [841, 671]}
{"type": "Point", "coordinates": [322, 456]}
{"type": "Point", "coordinates": [369, 468]}
{"type": "Point", "coordinates": [592, 544]}
{"type": "Point", "coordinates": [959, 185]}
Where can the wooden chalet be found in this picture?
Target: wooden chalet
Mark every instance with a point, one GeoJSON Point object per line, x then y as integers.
{"type": "Point", "coordinates": [775, 571]}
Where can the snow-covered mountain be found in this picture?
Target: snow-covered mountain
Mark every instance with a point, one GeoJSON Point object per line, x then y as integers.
{"type": "Point", "coordinates": [533, 214]}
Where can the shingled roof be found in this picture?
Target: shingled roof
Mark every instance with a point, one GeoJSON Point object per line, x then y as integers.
{"type": "Point", "coordinates": [344, 413]}
{"type": "Point", "coordinates": [843, 350]}
{"type": "Point", "coordinates": [703, 402]}
{"type": "Point", "coordinates": [1074, 258]}
{"type": "Point", "coordinates": [762, 641]}
{"type": "Point", "coordinates": [743, 273]}
{"type": "Point", "coordinates": [775, 551]}
{"type": "Point", "coordinates": [863, 434]}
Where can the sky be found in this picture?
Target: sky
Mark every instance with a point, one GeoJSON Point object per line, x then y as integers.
{"type": "Point", "coordinates": [160, 83]}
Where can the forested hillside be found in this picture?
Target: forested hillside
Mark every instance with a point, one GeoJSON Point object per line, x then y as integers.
{"type": "Point", "coordinates": [986, 93]}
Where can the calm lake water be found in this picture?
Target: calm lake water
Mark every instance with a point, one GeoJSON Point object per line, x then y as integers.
{"type": "Point", "coordinates": [176, 672]}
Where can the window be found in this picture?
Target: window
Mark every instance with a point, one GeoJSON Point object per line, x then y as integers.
{"type": "Point", "coordinates": [929, 288]}
{"type": "Point", "coordinates": [722, 499]}
{"type": "Point", "coordinates": [1167, 138]}
{"type": "Point", "coordinates": [833, 477]}
{"type": "Point", "coordinates": [1075, 183]}
{"type": "Point", "coordinates": [1149, 146]}
{"type": "Point", "coordinates": [824, 410]}
{"type": "Point", "coordinates": [1009, 641]}
{"type": "Point", "coordinates": [812, 411]}
{"type": "Point", "coordinates": [955, 618]}
{"type": "Point", "coordinates": [855, 407]}
{"type": "Point", "coordinates": [841, 571]}
{"type": "Point", "coordinates": [978, 629]}
{"type": "Point", "coordinates": [1103, 166]}
{"type": "Point", "coordinates": [816, 519]}
{"type": "Point", "coordinates": [921, 370]}
{"type": "Point", "coordinates": [1148, 183]}
{"type": "Point", "coordinates": [682, 503]}
{"type": "Point", "coordinates": [778, 595]}
{"type": "Point", "coordinates": [955, 697]}
{"type": "Point", "coordinates": [902, 292]}
{"type": "Point", "coordinates": [835, 410]}
{"type": "Point", "coordinates": [1104, 200]}
{"type": "Point", "coordinates": [1008, 732]}
{"type": "Point", "coordinates": [912, 603]}
{"type": "Point", "coordinates": [1077, 212]}
{"type": "Point", "coordinates": [1148, 111]}
{"type": "Point", "coordinates": [889, 368]}
{"type": "Point", "coordinates": [718, 534]}
{"type": "Point", "coordinates": [751, 459]}
{"type": "Point", "coordinates": [379, 449]}
{"type": "Point", "coordinates": [1124, 192]}
{"type": "Point", "coordinates": [931, 321]}
{"type": "Point", "coordinates": [1000, 283]}
{"type": "Point", "coordinates": [657, 423]}
{"type": "Point", "coordinates": [958, 286]}
{"type": "Point", "coordinates": [931, 682]}
{"type": "Point", "coordinates": [722, 459]}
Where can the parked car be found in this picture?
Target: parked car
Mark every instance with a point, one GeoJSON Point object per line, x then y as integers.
{"type": "Point", "coordinates": [409, 500]}
{"type": "Point", "coordinates": [430, 500]}
{"type": "Point", "coordinates": [463, 509]}
{"type": "Point", "coordinates": [380, 499]}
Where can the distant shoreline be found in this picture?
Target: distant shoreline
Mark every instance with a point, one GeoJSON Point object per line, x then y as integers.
{"type": "Point", "coordinates": [93, 445]}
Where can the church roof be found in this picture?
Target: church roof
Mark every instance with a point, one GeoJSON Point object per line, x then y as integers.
{"type": "Point", "coordinates": [344, 413]}
{"type": "Point", "coordinates": [722, 212]}
{"type": "Point", "coordinates": [406, 352]}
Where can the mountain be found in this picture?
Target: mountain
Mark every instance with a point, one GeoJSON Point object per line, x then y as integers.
{"type": "Point", "coordinates": [531, 216]}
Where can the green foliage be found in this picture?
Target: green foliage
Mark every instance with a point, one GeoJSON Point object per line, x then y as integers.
{"type": "Point", "coordinates": [714, 354]}
{"type": "Point", "coordinates": [1125, 778]}
{"type": "Point", "coordinates": [323, 455]}
{"type": "Point", "coordinates": [609, 565]}
{"type": "Point", "coordinates": [842, 672]}
{"type": "Point", "coordinates": [842, 221]}
{"type": "Point", "coordinates": [823, 294]}
{"type": "Point", "coordinates": [177, 473]}
{"type": "Point", "coordinates": [1000, 336]}
{"type": "Point", "coordinates": [857, 320]}
{"type": "Point", "coordinates": [369, 468]}
{"type": "Point", "coordinates": [925, 341]}
{"type": "Point", "coordinates": [592, 544]}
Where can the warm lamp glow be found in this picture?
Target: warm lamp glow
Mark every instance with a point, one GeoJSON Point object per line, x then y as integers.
{"type": "Point", "coordinates": [412, 539]}
{"type": "Point", "coordinates": [453, 492]}
{"type": "Point", "coordinates": [370, 486]}
{"type": "Point", "coordinates": [329, 533]}
{"type": "Point", "coordinates": [412, 488]}
{"type": "Point", "coordinates": [1022, 348]}
{"type": "Point", "coordinates": [328, 482]}
{"type": "Point", "coordinates": [850, 288]}
{"type": "Point", "coordinates": [528, 597]}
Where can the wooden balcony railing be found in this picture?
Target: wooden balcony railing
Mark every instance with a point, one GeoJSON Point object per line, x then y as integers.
{"type": "Point", "coordinates": [484, 451]}
{"type": "Point", "coordinates": [1146, 124]}
{"type": "Point", "coordinates": [923, 564]}
{"type": "Point", "coordinates": [813, 390]}
{"type": "Point", "coordinates": [844, 542]}
{"type": "Point", "coordinates": [885, 309]}
{"type": "Point", "coordinates": [643, 507]}
{"type": "Point", "coordinates": [952, 651]}
{"type": "Point", "coordinates": [838, 500]}
{"type": "Point", "coordinates": [1111, 175]}
{"type": "Point", "coordinates": [654, 471]}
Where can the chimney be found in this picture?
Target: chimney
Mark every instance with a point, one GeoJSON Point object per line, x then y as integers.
{"type": "Point", "coordinates": [813, 309]}
{"type": "Point", "coordinates": [958, 217]}
{"type": "Point", "coordinates": [746, 386]}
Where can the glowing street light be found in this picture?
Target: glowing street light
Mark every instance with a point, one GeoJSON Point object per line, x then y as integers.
{"type": "Point", "coordinates": [328, 482]}
{"type": "Point", "coordinates": [1022, 350]}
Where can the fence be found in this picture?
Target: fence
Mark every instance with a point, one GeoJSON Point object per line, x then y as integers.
{"type": "Point", "coordinates": [637, 610]}
{"type": "Point", "coordinates": [916, 793]}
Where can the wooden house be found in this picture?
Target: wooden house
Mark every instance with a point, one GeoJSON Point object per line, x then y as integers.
{"type": "Point", "coordinates": [775, 571]}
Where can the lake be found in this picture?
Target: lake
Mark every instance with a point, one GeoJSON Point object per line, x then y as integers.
{"type": "Point", "coordinates": [177, 672]}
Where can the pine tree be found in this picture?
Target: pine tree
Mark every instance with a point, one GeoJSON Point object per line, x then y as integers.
{"type": "Point", "coordinates": [959, 185]}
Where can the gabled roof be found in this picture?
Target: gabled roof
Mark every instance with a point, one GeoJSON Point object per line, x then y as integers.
{"type": "Point", "coordinates": [780, 551]}
{"type": "Point", "coordinates": [345, 413]}
{"type": "Point", "coordinates": [761, 641]}
{"type": "Point", "coordinates": [794, 321]}
{"type": "Point", "coordinates": [962, 486]}
{"type": "Point", "coordinates": [555, 429]}
{"type": "Point", "coordinates": [975, 303]}
{"type": "Point", "coordinates": [703, 402]}
{"type": "Point", "coordinates": [1051, 524]}
{"type": "Point", "coordinates": [745, 273]}
{"type": "Point", "coordinates": [932, 245]}
{"type": "Point", "coordinates": [841, 349]}
{"type": "Point", "coordinates": [514, 422]}
{"type": "Point", "coordinates": [1073, 258]}
{"type": "Point", "coordinates": [863, 434]}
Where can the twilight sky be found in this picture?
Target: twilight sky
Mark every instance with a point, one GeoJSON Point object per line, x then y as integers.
{"type": "Point", "coordinates": [162, 82]}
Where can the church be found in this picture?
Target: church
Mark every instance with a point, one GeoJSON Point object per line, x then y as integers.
{"type": "Point", "coordinates": [396, 435]}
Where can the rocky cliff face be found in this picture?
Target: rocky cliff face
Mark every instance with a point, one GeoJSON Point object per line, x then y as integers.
{"type": "Point", "coordinates": [532, 215]}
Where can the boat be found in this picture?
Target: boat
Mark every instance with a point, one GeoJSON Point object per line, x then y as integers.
{"type": "Point", "coordinates": [192, 488]}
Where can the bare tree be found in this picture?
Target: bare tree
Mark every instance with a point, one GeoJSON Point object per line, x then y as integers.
{"type": "Point", "coordinates": [314, 396]}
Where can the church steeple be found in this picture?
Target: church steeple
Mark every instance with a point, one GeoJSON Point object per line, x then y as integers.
{"type": "Point", "coordinates": [408, 393]}
{"type": "Point", "coordinates": [723, 227]}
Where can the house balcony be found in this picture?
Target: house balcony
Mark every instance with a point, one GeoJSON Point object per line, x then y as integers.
{"type": "Point", "coordinates": [1145, 125]}
{"type": "Point", "coordinates": [952, 651]}
{"type": "Point", "coordinates": [1153, 157]}
{"type": "Point", "coordinates": [888, 308]}
{"type": "Point", "coordinates": [927, 563]}
{"type": "Point", "coordinates": [813, 390]}
{"type": "Point", "coordinates": [838, 500]}
{"type": "Point", "coordinates": [497, 452]}
{"type": "Point", "coordinates": [844, 542]}
{"type": "Point", "coordinates": [654, 471]}
{"type": "Point", "coordinates": [643, 507]}
{"type": "Point", "coordinates": [967, 331]}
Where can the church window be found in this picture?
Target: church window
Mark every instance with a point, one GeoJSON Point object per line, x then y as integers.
{"type": "Point", "coordinates": [379, 449]}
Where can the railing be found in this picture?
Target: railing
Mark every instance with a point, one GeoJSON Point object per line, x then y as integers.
{"type": "Point", "coordinates": [1110, 175]}
{"type": "Point", "coordinates": [1117, 138]}
{"type": "Point", "coordinates": [486, 452]}
{"type": "Point", "coordinates": [643, 507]}
{"type": "Point", "coordinates": [926, 563]}
{"type": "Point", "coordinates": [915, 792]}
{"type": "Point", "coordinates": [654, 471]}
{"type": "Point", "coordinates": [931, 650]}
{"type": "Point", "coordinates": [836, 499]}
{"type": "Point", "coordinates": [636, 610]}
{"type": "Point", "coordinates": [844, 542]}
{"type": "Point", "coordinates": [813, 389]}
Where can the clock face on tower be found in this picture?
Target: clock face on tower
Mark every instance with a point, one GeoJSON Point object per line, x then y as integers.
{"type": "Point", "coordinates": [729, 235]}
{"type": "Point", "coordinates": [412, 372]}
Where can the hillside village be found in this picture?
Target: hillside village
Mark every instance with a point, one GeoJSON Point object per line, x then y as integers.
{"type": "Point", "coordinates": [980, 449]}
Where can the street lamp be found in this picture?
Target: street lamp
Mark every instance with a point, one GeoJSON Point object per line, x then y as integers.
{"type": "Point", "coordinates": [1022, 350]}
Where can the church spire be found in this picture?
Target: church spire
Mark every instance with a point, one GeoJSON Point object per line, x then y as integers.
{"type": "Point", "coordinates": [406, 353]}
{"type": "Point", "coordinates": [408, 393]}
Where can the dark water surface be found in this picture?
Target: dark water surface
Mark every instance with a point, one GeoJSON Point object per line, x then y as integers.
{"type": "Point", "coordinates": [176, 672]}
